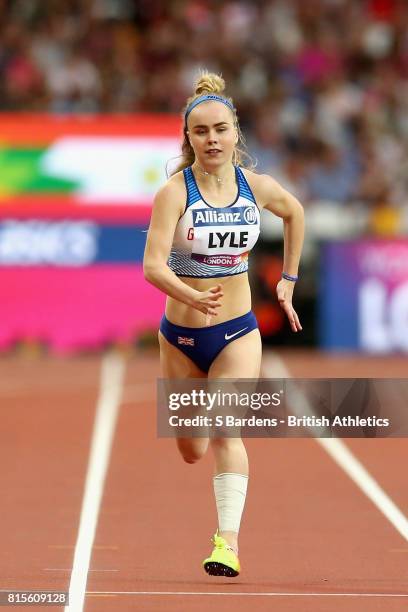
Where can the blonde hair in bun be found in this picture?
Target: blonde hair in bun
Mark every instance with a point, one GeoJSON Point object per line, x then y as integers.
{"type": "Point", "coordinates": [211, 83]}
{"type": "Point", "coordinates": [208, 82]}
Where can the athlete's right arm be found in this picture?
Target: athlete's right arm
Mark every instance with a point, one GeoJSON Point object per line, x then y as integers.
{"type": "Point", "coordinates": [165, 215]}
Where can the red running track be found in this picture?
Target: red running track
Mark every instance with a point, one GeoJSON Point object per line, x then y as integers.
{"type": "Point", "coordinates": [310, 539]}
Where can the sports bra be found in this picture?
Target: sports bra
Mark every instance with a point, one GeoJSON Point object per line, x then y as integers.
{"type": "Point", "coordinates": [212, 241]}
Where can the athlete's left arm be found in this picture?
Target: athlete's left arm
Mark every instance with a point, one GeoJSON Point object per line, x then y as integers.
{"type": "Point", "coordinates": [272, 196]}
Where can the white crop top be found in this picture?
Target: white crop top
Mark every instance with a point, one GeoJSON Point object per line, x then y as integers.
{"type": "Point", "coordinates": [212, 241]}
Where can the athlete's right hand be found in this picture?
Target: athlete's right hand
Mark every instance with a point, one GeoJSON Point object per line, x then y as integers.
{"type": "Point", "coordinates": [208, 301]}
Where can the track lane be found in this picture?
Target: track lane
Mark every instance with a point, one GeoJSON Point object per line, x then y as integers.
{"type": "Point", "coordinates": [307, 528]}
{"type": "Point", "coordinates": [47, 409]}
{"type": "Point", "coordinates": [386, 458]}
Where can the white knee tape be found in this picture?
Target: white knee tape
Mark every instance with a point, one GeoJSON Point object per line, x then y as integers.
{"type": "Point", "coordinates": [230, 493]}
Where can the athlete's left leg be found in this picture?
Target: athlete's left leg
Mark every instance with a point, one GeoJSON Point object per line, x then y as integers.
{"type": "Point", "coordinates": [239, 359]}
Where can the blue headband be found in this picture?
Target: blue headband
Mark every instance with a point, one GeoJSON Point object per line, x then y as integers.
{"type": "Point", "coordinates": [204, 98]}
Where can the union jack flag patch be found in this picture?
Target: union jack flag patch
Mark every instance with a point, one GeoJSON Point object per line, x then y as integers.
{"type": "Point", "coordinates": [185, 340]}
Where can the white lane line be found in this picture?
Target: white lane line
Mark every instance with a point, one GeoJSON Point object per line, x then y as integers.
{"type": "Point", "coordinates": [107, 409]}
{"type": "Point", "coordinates": [69, 569]}
{"type": "Point", "coordinates": [343, 456]}
{"type": "Point", "coordinates": [241, 594]}
{"type": "Point", "coordinates": [345, 459]}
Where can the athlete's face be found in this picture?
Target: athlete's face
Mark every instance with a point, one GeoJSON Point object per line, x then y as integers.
{"type": "Point", "coordinates": [212, 133]}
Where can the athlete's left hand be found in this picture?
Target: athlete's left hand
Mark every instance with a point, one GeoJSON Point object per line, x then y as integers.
{"type": "Point", "coordinates": [284, 291]}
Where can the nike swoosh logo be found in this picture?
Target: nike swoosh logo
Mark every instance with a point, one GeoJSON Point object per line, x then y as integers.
{"type": "Point", "coordinates": [228, 337]}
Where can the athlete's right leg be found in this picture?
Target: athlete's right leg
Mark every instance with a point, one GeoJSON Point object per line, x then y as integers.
{"type": "Point", "coordinates": [175, 364]}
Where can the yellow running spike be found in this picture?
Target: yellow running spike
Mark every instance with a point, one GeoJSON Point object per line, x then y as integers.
{"type": "Point", "coordinates": [223, 560]}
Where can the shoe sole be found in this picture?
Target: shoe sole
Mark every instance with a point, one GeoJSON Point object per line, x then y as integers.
{"type": "Point", "coordinates": [213, 568]}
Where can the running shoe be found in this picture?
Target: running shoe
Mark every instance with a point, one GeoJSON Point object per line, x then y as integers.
{"type": "Point", "coordinates": [223, 560]}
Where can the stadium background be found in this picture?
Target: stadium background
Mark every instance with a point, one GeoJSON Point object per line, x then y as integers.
{"type": "Point", "coordinates": [90, 96]}
{"type": "Point", "coordinates": [321, 89]}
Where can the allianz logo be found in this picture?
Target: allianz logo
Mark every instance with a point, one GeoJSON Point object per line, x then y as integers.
{"type": "Point", "coordinates": [212, 217]}
{"type": "Point", "coordinates": [61, 243]}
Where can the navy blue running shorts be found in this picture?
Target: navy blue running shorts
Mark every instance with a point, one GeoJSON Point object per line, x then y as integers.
{"type": "Point", "coordinates": [203, 344]}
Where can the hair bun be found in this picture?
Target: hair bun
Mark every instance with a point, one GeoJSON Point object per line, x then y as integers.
{"type": "Point", "coordinates": [209, 82]}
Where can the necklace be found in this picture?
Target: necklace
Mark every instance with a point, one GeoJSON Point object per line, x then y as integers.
{"type": "Point", "coordinates": [219, 180]}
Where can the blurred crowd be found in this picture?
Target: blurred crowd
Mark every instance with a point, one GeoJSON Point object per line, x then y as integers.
{"type": "Point", "coordinates": [321, 86]}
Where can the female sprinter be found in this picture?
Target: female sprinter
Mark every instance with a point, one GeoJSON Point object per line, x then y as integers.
{"type": "Point", "coordinates": [208, 329]}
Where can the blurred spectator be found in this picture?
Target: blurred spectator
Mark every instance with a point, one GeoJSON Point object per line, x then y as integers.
{"type": "Point", "coordinates": [333, 174]}
{"type": "Point", "coordinates": [321, 86]}
{"type": "Point", "coordinates": [74, 85]}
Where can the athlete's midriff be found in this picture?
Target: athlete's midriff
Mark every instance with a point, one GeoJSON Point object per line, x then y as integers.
{"type": "Point", "coordinates": [235, 302]}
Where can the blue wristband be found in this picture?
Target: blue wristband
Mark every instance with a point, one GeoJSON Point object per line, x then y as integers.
{"type": "Point", "coordinates": [289, 277]}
